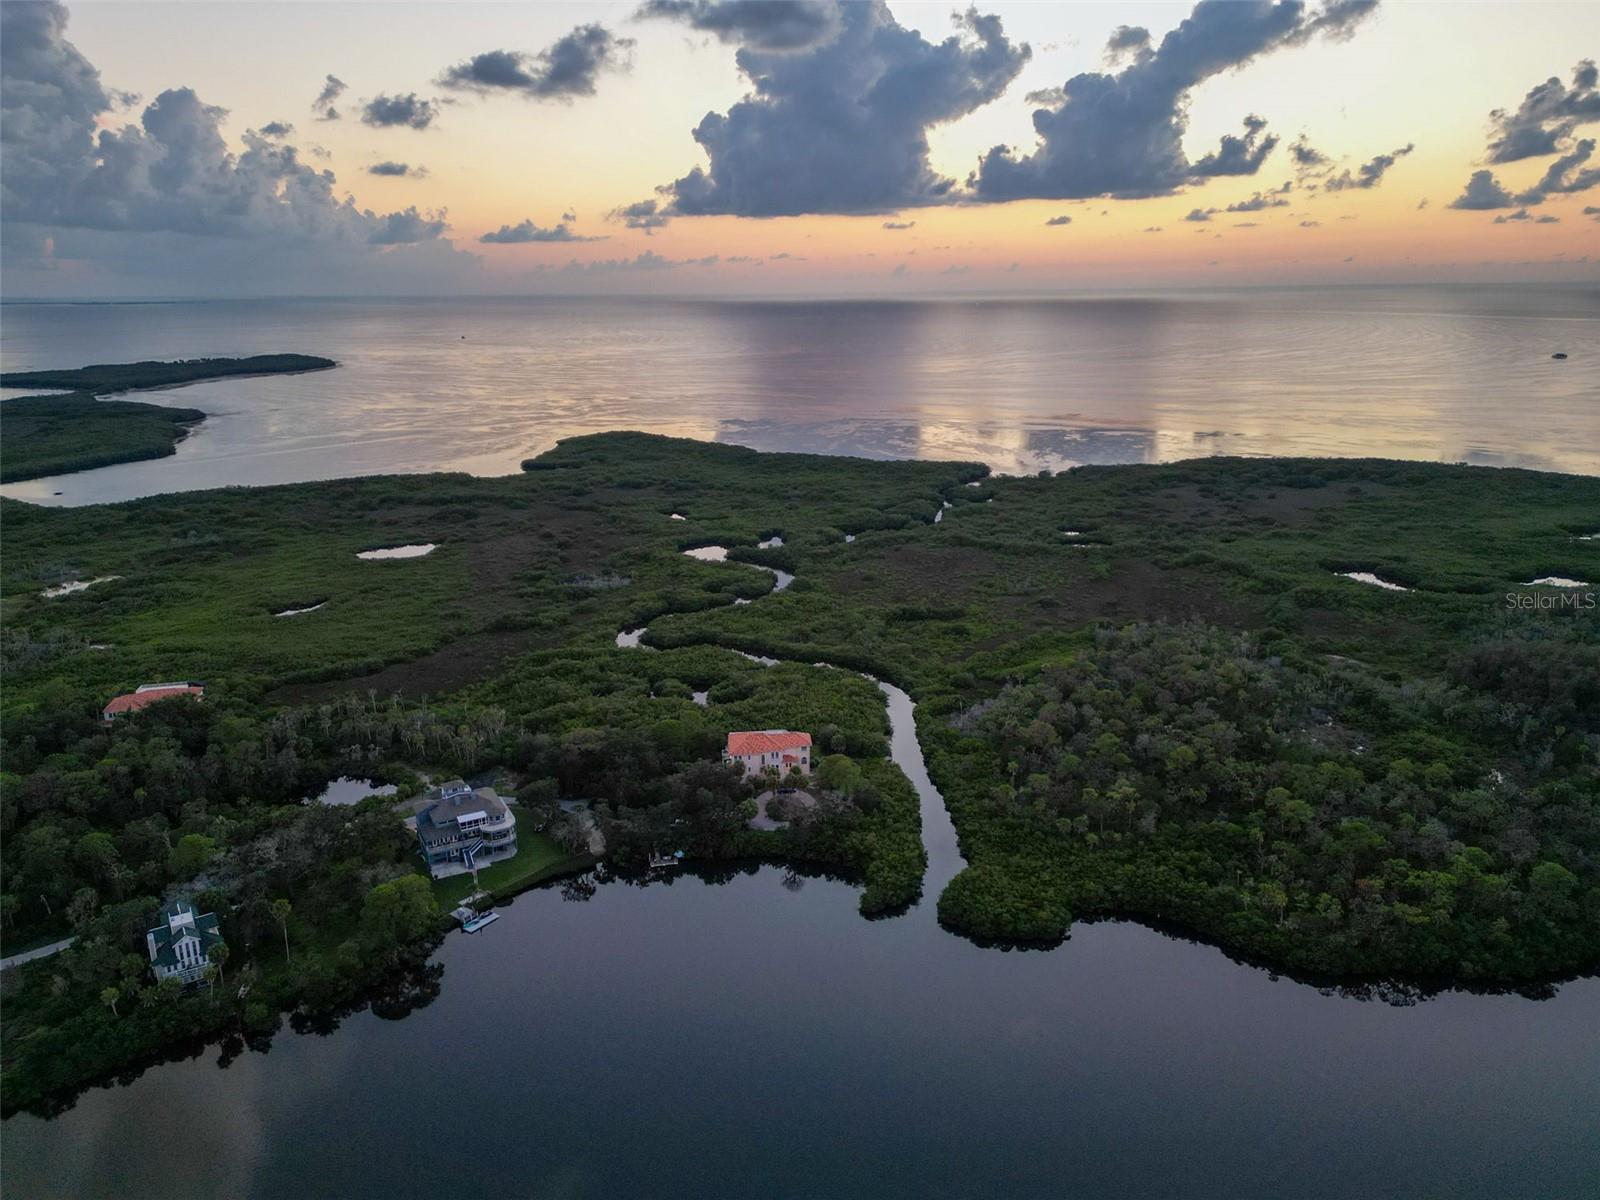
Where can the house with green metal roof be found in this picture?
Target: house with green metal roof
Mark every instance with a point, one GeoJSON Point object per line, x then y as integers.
{"type": "Point", "coordinates": [180, 945]}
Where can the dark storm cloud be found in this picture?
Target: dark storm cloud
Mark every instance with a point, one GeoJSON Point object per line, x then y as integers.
{"type": "Point", "coordinates": [397, 169]}
{"type": "Point", "coordinates": [1545, 120]}
{"type": "Point", "coordinates": [1369, 174]}
{"type": "Point", "coordinates": [1122, 134]}
{"type": "Point", "coordinates": [843, 127]}
{"type": "Point", "coordinates": [527, 231]}
{"type": "Point", "coordinates": [276, 129]}
{"type": "Point", "coordinates": [776, 26]}
{"type": "Point", "coordinates": [569, 67]}
{"type": "Point", "coordinates": [332, 88]}
{"type": "Point", "coordinates": [409, 111]}
{"type": "Point", "coordinates": [1483, 191]}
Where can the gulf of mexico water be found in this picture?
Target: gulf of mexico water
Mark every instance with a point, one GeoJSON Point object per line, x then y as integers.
{"type": "Point", "coordinates": [478, 385]}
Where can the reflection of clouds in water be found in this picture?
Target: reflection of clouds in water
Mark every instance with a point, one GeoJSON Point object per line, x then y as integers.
{"type": "Point", "coordinates": [1006, 451]}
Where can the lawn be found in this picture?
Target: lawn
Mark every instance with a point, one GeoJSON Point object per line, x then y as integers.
{"type": "Point", "coordinates": [537, 857]}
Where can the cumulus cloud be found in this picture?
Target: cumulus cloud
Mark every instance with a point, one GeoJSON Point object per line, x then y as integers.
{"type": "Point", "coordinates": [527, 231]}
{"type": "Point", "coordinates": [649, 260]}
{"type": "Point", "coordinates": [1483, 191]}
{"type": "Point", "coordinates": [162, 193]}
{"type": "Point", "coordinates": [1308, 160]}
{"type": "Point", "coordinates": [1061, 220]}
{"type": "Point", "coordinates": [276, 129]}
{"type": "Point", "coordinates": [569, 67]}
{"type": "Point", "coordinates": [1260, 201]}
{"type": "Point", "coordinates": [403, 228]}
{"type": "Point", "coordinates": [332, 88]}
{"type": "Point", "coordinates": [1238, 155]}
{"type": "Point", "coordinates": [1543, 124]}
{"type": "Point", "coordinates": [644, 214]}
{"type": "Point", "coordinates": [1198, 214]}
{"type": "Point", "coordinates": [1547, 117]}
{"type": "Point", "coordinates": [774, 26]}
{"type": "Point", "coordinates": [1369, 174]}
{"type": "Point", "coordinates": [1128, 41]}
{"type": "Point", "coordinates": [397, 169]}
{"type": "Point", "coordinates": [1122, 134]}
{"type": "Point", "coordinates": [843, 127]}
{"type": "Point", "coordinates": [409, 111]}
{"type": "Point", "coordinates": [1566, 175]}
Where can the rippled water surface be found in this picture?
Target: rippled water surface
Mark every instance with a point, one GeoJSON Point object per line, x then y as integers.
{"type": "Point", "coordinates": [479, 385]}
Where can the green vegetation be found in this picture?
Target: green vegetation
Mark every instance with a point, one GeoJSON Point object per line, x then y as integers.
{"type": "Point", "coordinates": [537, 858]}
{"type": "Point", "coordinates": [127, 377]}
{"type": "Point", "coordinates": [1183, 713]}
{"type": "Point", "coordinates": [56, 435]}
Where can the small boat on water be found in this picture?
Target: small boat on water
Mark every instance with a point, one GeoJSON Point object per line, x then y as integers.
{"type": "Point", "coordinates": [666, 862]}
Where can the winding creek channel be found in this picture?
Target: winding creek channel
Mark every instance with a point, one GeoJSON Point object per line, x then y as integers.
{"type": "Point", "coordinates": [746, 1032]}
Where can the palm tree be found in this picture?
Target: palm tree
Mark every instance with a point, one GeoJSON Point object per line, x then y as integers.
{"type": "Point", "coordinates": [109, 997]}
{"type": "Point", "coordinates": [217, 955]}
{"type": "Point", "coordinates": [280, 912]}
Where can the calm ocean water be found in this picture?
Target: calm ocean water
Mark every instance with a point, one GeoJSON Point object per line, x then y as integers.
{"type": "Point", "coordinates": [1449, 374]}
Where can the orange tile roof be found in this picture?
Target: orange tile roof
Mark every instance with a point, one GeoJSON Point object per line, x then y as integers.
{"type": "Point", "coordinates": [134, 701]}
{"type": "Point", "coordinates": [762, 742]}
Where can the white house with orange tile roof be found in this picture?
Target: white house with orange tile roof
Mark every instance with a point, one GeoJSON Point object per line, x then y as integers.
{"type": "Point", "coordinates": [148, 694]}
{"type": "Point", "coordinates": [762, 750]}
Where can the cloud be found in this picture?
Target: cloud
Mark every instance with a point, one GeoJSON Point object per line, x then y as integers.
{"type": "Point", "coordinates": [1545, 120]}
{"type": "Point", "coordinates": [1523, 214]}
{"type": "Point", "coordinates": [899, 224]}
{"type": "Point", "coordinates": [409, 111]}
{"type": "Point", "coordinates": [774, 26]}
{"type": "Point", "coordinates": [569, 67]}
{"type": "Point", "coordinates": [332, 88]}
{"type": "Point", "coordinates": [407, 226]}
{"type": "Point", "coordinates": [643, 214]}
{"type": "Point", "coordinates": [1238, 155]}
{"type": "Point", "coordinates": [1122, 134]}
{"type": "Point", "coordinates": [1308, 160]}
{"type": "Point", "coordinates": [1564, 176]}
{"type": "Point", "coordinates": [527, 231]}
{"type": "Point", "coordinates": [1199, 214]}
{"type": "Point", "coordinates": [397, 169]}
{"type": "Point", "coordinates": [843, 127]}
{"type": "Point", "coordinates": [1368, 174]}
{"type": "Point", "coordinates": [1260, 201]}
{"type": "Point", "coordinates": [1128, 42]}
{"type": "Point", "coordinates": [1483, 191]}
{"type": "Point", "coordinates": [1592, 211]}
{"type": "Point", "coordinates": [1310, 224]}
{"type": "Point", "coordinates": [1061, 220]}
{"type": "Point", "coordinates": [276, 129]}
{"type": "Point", "coordinates": [649, 260]}
{"type": "Point", "coordinates": [163, 195]}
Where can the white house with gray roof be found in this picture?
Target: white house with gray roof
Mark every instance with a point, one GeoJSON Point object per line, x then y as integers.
{"type": "Point", "coordinates": [179, 946]}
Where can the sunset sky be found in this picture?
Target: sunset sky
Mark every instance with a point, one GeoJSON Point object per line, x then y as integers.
{"type": "Point", "coordinates": [239, 149]}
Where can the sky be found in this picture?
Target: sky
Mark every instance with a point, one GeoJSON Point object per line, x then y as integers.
{"type": "Point", "coordinates": [792, 147]}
